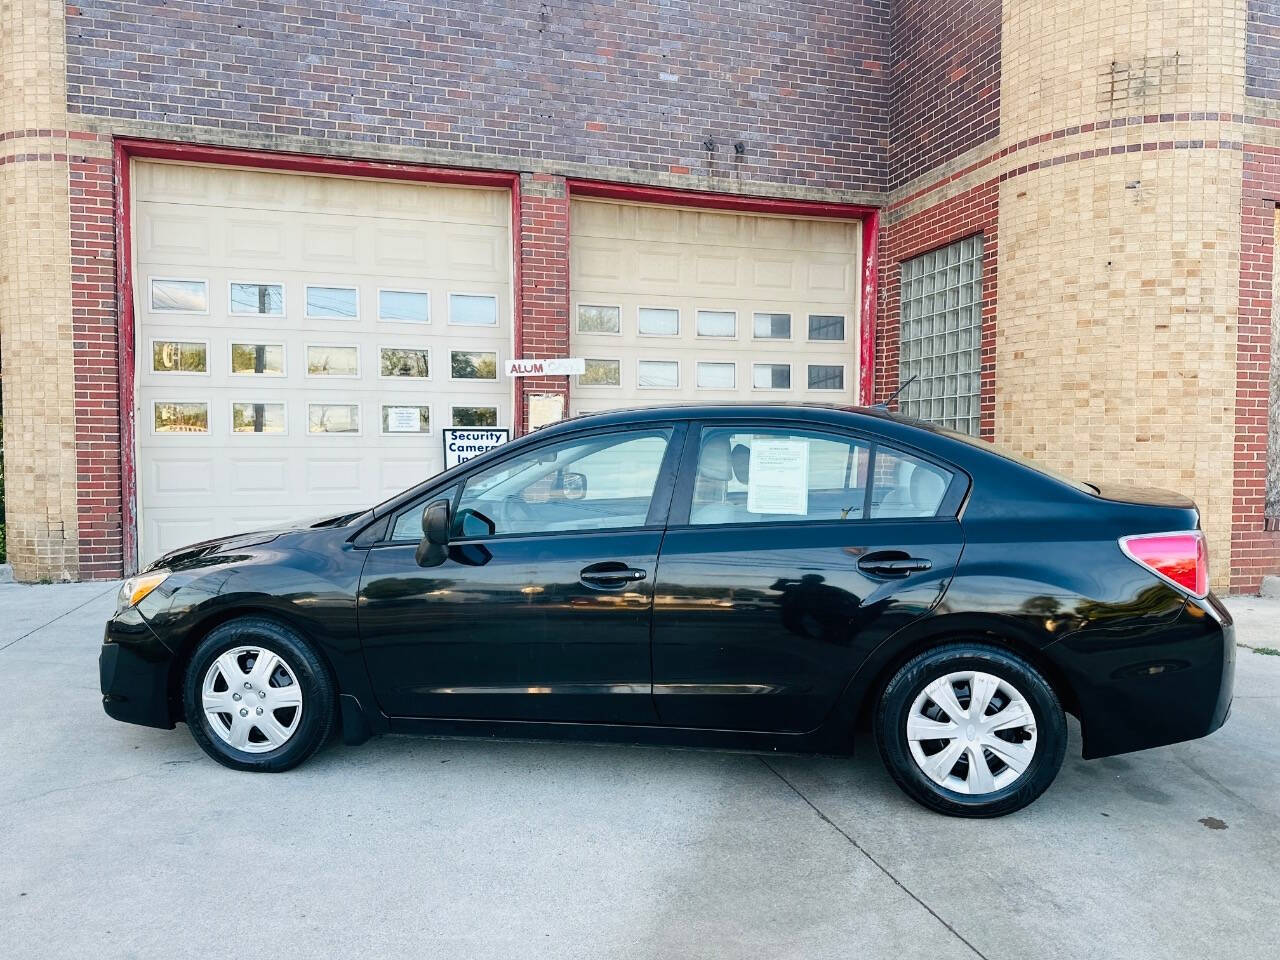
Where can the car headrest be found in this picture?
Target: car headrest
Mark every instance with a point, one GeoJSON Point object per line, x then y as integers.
{"type": "Point", "coordinates": [927, 489]}
{"type": "Point", "coordinates": [740, 459]}
{"type": "Point", "coordinates": [713, 461]}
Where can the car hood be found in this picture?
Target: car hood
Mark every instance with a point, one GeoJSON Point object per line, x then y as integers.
{"type": "Point", "coordinates": [200, 554]}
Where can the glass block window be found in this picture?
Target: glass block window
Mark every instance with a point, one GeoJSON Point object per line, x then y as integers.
{"type": "Point", "coordinates": [941, 324]}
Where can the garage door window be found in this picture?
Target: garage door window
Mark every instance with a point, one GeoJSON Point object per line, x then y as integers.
{"type": "Point", "coordinates": [333, 418]}
{"type": "Point", "coordinates": [771, 376]}
{"type": "Point", "coordinates": [473, 365]}
{"type": "Point", "coordinates": [658, 322]}
{"type": "Point", "coordinates": [180, 417]}
{"type": "Point", "coordinates": [405, 419]}
{"type": "Point", "coordinates": [327, 361]}
{"type": "Point", "coordinates": [597, 319]}
{"type": "Point", "coordinates": [601, 373]}
{"type": "Point", "coordinates": [717, 376]}
{"type": "Point", "coordinates": [473, 310]}
{"type": "Point", "coordinates": [826, 327]}
{"type": "Point", "coordinates": [404, 306]}
{"type": "Point", "coordinates": [179, 296]}
{"type": "Point", "coordinates": [262, 359]}
{"type": "Point", "coordinates": [261, 299]}
{"type": "Point", "coordinates": [475, 416]}
{"type": "Point", "coordinates": [717, 323]}
{"type": "Point", "coordinates": [257, 417]}
{"type": "Point", "coordinates": [333, 303]}
{"type": "Point", "coordinates": [658, 374]}
{"type": "Point", "coordinates": [771, 326]}
{"type": "Point", "coordinates": [179, 356]}
{"type": "Point", "coordinates": [401, 362]}
{"type": "Point", "coordinates": [826, 376]}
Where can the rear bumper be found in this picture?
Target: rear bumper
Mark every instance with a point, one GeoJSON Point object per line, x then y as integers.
{"type": "Point", "coordinates": [1156, 686]}
{"type": "Point", "coordinates": [133, 672]}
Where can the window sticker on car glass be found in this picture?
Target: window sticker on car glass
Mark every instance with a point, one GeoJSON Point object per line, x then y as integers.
{"type": "Point", "coordinates": [778, 478]}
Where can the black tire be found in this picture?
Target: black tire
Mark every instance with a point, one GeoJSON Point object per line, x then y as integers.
{"type": "Point", "coordinates": [318, 694]}
{"type": "Point", "coordinates": [906, 685]}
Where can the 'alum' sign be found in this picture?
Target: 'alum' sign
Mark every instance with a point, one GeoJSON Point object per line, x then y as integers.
{"type": "Point", "coordinates": [557, 367]}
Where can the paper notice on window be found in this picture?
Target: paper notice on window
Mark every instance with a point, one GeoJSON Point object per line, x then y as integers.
{"type": "Point", "coordinates": [403, 420]}
{"type": "Point", "coordinates": [778, 478]}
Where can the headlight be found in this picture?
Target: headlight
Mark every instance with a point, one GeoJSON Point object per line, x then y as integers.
{"type": "Point", "coordinates": [136, 588]}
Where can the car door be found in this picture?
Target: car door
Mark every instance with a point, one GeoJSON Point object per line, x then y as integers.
{"type": "Point", "coordinates": [541, 609]}
{"type": "Point", "coordinates": [791, 552]}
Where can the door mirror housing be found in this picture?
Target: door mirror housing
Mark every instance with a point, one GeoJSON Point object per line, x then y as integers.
{"type": "Point", "coordinates": [433, 548]}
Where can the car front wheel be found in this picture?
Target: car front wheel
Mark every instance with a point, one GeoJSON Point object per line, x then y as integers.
{"type": "Point", "coordinates": [257, 697]}
{"type": "Point", "coordinates": [971, 730]}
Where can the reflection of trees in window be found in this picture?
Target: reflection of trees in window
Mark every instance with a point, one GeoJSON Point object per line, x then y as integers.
{"type": "Point", "coordinates": [601, 373]}
{"type": "Point", "coordinates": [174, 356]}
{"type": "Point", "coordinates": [332, 361]}
{"type": "Point", "coordinates": [257, 358]}
{"type": "Point", "coordinates": [181, 418]}
{"type": "Point", "coordinates": [475, 416]}
{"type": "Point", "coordinates": [332, 418]}
{"type": "Point", "coordinates": [257, 417]}
{"type": "Point", "coordinates": [404, 363]}
{"type": "Point", "coordinates": [469, 365]}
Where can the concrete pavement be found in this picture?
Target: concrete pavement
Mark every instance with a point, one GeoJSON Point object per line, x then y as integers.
{"type": "Point", "coordinates": [118, 841]}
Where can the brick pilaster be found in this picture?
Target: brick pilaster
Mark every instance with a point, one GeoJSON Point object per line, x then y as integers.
{"type": "Point", "coordinates": [542, 329]}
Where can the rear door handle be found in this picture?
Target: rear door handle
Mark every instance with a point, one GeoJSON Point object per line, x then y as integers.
{"type": "Point", "coordinates": [611, 574]}
{"type": "Point", "coordinates": [893, 563]}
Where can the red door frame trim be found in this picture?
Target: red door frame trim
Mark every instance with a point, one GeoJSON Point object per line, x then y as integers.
{"type": "Point", "coordinates": [869, 216]}
{"type": "Point", "coordinates": [126, 149]}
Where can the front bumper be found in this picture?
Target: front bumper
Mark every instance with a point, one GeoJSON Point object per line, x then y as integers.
{"type": "Point", "coordinates": [133, 671]}
{"type": "Point", "coordinates": [1149, 688]}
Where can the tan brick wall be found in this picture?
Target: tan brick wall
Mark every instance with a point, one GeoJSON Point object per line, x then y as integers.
{"type": "Point", "coordinates": [36, 341]}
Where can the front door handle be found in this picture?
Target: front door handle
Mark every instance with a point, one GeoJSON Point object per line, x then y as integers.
{"type": "Point", "coordinates": [611, 575]}
{"type": "Point", "coordinates": [893, 563]}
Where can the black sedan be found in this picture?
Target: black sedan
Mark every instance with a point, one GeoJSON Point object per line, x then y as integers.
{"type": "Point", "coordinates": [774, 577]}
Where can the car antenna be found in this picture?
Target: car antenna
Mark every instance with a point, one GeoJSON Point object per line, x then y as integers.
{"type": "Point", "coordinates": [884, 404]}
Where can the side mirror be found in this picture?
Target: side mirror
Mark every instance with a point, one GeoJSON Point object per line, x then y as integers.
{"type": "Point", "coordinates": [432, 550]}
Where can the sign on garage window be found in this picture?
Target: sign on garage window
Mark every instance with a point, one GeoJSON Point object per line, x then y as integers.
{"type": "Point", "coordinates": [398, 419]}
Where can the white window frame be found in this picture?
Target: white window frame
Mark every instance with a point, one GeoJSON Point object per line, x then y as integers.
{"type": "Point", "coordinates": [497, 412]}
{"type": "Point", "coordinates": [151, 357]}
{"type": "Point", "coordinates": [788, 338]}
{"type": "Point", "coordinates": [306, 302]}
{"type": "Point", "coordinates": [777, 363]}
{"type": "Point", "coordinates": [431, 362]}
{"type": "Point", "coordinates": [379, 318]}
{"type": "Point", "coordinates": [707, 336]}
{"type": "Point", "coordinates": [284, 358]}
{"type": "Point", "coordinates": [151, 307]}
{"type": "Point", "coordinates": [639, 361]}
{"type": "Point", "coordinates": [335, 403]}
{"type": "Point", "coordinates": [306, 362]}
{"type": "Point", "coordinates": [284, 297]}
{"type": "Point", "coordinates": [578, 384]}
{"type": "Point", "coordinates": [208, 408]}
{"type": "Point", "coordinates": [231, 420]}
{"type": "Point", "coordinates": [717, 363]}
{"type": "Point", "coordinates": [844, 377]}
{"type": "Point", "coordinates": [431, 420]}
{"type": "Point", "coordinates": [577, 320]}
{"type": "Point", "coordinates": [809, 339]}
{"type": "Point", "coordinates": [497, 367]}
{"type": "Point", "coordinates": [659, 336]}
{"type": "Point", "coordinates": [497, 310]}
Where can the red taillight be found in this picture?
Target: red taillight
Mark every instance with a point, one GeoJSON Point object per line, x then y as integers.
{"type": "Point", "coordinates": [1182, 558]}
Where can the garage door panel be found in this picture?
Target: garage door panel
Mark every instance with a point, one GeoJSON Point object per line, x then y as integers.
{"type": "Point", "coordinates": [221, 227]}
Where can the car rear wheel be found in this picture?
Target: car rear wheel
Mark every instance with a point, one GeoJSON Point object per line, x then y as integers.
{"type": "Point", "coordinates": [257, 697]}
{"type": "Point", "coordinates": [971, 730]}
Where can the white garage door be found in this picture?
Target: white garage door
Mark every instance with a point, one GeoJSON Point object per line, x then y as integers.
{"type": "Point", "coordinates": [301, 341]}
{"type": "Point", "coordinates": [684, 305]}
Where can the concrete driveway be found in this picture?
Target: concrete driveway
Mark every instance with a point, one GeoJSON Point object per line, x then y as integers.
{"type": "Point", "coordinates": [117, 841]}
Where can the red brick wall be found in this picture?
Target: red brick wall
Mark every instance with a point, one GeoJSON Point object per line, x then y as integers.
{"type": "Point", "coordinates": [97, 387]}
{"type": "Point", "coordinates": [944, 82]}
{"type": "Point", "coordinates": [974, 211]}
{"type": "Point", "coordinates": [543, 265]}
{"type": "Point", "coordinates": [1255, 551]}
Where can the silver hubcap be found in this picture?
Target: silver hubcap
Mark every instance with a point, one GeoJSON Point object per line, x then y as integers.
{"type": "Point", "coordinates": [971, 732]}
{"type": "Point", "coordinates": [252, 699]}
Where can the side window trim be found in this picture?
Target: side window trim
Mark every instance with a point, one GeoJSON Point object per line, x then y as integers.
{"type": "Point", "coordinates": [682, 503]}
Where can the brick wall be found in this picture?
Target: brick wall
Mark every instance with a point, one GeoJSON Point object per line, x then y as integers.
{"type": "Point", "coordinates": [1262, 50]}
{"type": "Point", "coordinates": [544, 284]}
{"type": "Point", "coordinates": [1255, 551]}
{"type": "Point", "coordinates": [945, 82]}
{"type": "Point", "coordinates": [639, 85]}
{"type": "Point", "coordinates": [973, 211]}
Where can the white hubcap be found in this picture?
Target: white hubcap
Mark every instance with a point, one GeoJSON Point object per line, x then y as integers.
{"type": "Point", "coordinates": [252, 699]}
{"type": "Point", "coordinates": [980, 747]}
